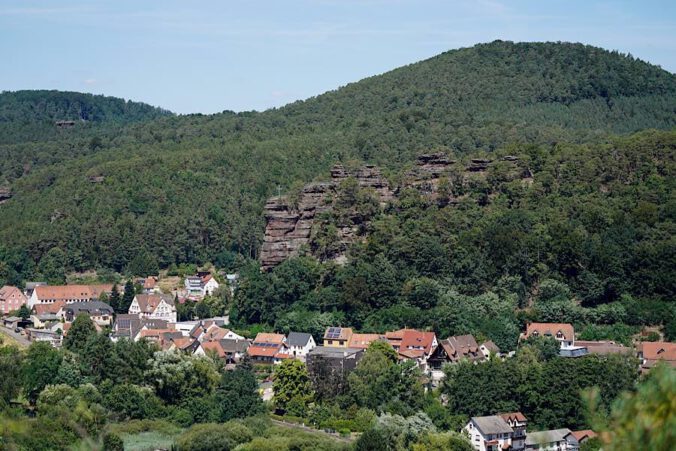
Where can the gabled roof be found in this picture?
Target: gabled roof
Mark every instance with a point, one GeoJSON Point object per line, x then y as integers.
{"type": "Point", "coordinates": [230, 345]}
{"type": "Point", "coordinates": [149, 302]}
{"type": "Point", "coordinates": [413, 339]}
{"type": "Point", "coordinates": [52, 307]}
{"type": "Point", "coordinates": [214, 346]}
{"type": "Point", "coordinates": [91, 308]}
{"type": "Point", "coordinates": [362, 341]}
{"type": "Point", "coordinates": [492, 424]}
{"type": "Point", "coordinates": [298, 339]}
{"type": "Point", "coordinates": [492, 347]}
{"type": "Point", "coordinates": [263, 337]}
{"type": "Point", "coordinates": [551, 329]}
{"type": "Point", "coordinates": [337, 333]}
{"type": "Point", "coordinates": [214, 332]}
{"type": "Point", "coordinates": [258, 350]}
{"type": "Point", "coordinates": [10, 292]}
{"type": "Point", "coordinates": [70, 292]}
{"type": "Point", "coordinates": [658, 350]}
{"type": "Point", "coordinates": [514, 416]}
{"type": "Point", "coordinates": [584, 435]}
{"type": "Point", "coordinates": [149, 283]}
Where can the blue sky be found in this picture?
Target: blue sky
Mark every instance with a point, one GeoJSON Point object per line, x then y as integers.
{"type": "Point", "coordinates": [208, 56]}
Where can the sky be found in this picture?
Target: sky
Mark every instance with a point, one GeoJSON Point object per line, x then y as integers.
{"type": "Point", "coordinates": [209, 56]}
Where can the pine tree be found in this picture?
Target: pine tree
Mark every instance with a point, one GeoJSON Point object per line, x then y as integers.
{"type": "Point", "coordinates": [128, 296]}
{"type": "Point", "coordinates": [115, 299]}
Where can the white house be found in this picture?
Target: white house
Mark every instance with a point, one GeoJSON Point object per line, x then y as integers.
{"type": "Point", "coordinates": [48, 294]}
{"type": "Point", "coordinates": [299, 344]}
{"type": "Point", "coordinates": [203, 284]}
{"type": "Point", "coordinates": [154, 306]}
{"type": "Point", "coordinates": [491, 433]}
{"type": "Point", "coordinates": [564, 333]}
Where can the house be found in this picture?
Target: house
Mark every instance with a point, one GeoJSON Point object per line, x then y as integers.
{"type": "Point", "coordinates": [453, 350]}
{"type": "Point", "coordinates": [11, 322]}
{"type": "Point", "coordinates": [268, 348]}
{"type": "Point", "coordinates": [300, 344]}
{"type": "Point", "coordinates": [652, 353]}
{"type": "Point", "coordinates": [554, 440]}
{"type": "Point", "coordinates": [48, 294]}
{"type": "Point", "coordinates": [200, 285]}
{"type": "Point", "coordinates": [175, 341]}
{"type": "Point", "coordinates": [229, 350]}
{"type": "Point", "coordinates": [208, 330]}
{"type": "Point", "coordinates": [53, 308]}
{"type": "Point", "coordinates": [561, 332]}
{"type": "Point", "coordinates": [337, 337]}
{"type": "Point", "coordinates": [99, 312]}
{"type": "Point", "coordinates": [583, 436]}
{"type": "Point", "coordinates": [489, 348]}
{"type": "Point", "coordinates": [489, 433]}
{"type": "Point", "coordinates": [149, 285]}
{"type": "Point", "coordinates": [41, 320]}
{"type": "Point", "coordinates": [126, 326]}
{"type": "Point", "coordinates": [416, 344]}
{"type": "Point", "coordinates": [328, 367]}
{"type": "Point", "coordinates": [154, 306]}
{"type": "Point", "coordinates": [518, 422]}
{"type": "Point", "coordinates": [11, 299]}
{"type": "Point", "coordinates": [362, 341]}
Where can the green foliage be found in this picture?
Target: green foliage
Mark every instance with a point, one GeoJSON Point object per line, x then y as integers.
{"type": "Point", "coordinates": [112, 442]}
{"type": "Point", "coordinates": [39, 369]}
{"type": "Point", "coordinates": [213, 437]}
{"type": "Point", "coordinates": [81, 332]}
{"type": "Point", "coordinates": [292, 387]}
{"type": "Point", "coordinates": [10, 374]}
{"type": "Point", "coordinates": [177, 377]}
{"type": "Point", "coordinates": [646, 419]}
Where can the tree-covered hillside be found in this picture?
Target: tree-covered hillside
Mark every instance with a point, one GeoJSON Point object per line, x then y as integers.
{"type": "Point", "coordinates": [191, 188]}
{"type": "Point", "coordinates": [32, 115]}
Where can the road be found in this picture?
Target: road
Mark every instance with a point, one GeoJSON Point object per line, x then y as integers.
{"type": "Point", "coordinates": [20, 339]}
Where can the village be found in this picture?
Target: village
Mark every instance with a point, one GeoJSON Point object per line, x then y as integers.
{"type": "Point", "coordinates": [45, 313]}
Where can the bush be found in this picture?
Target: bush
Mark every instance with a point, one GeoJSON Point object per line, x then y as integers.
{"type": "Point", "coordinates": [112, 442]}
{"type": "Point", "coordinates": [212, 436]}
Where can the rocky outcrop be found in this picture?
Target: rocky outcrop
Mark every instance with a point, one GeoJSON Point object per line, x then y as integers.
{"type": "Point", "coordinates": [289, 227]}
{"type": "Point", "coordinates": [5, 195]}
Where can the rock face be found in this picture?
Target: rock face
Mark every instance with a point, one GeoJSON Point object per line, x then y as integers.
{"type": "Point", "coordinates": [289, 227]}
{"type": "Point", "coordinates": [5, 195]}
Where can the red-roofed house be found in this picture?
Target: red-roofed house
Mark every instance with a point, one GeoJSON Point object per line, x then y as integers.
{"type": "Point", "coordinates": [651, 353]}
{"type": "Point", "coordinates": [11, 299]}
{"type": "Point", "coordinates": [362, 341]}
{"type": "Point", "coordinates": [154, 306]}
{"type": "Point", "coordinates": [268, 348]}
{"type": "Point", "coordinates": [561, 332]}
{"type": "Point", "coordinates": [518, 422]}
{"type": "Point", "coordinates": [48, 294]}
{"type": "Point", "coordinates": [583, 436]}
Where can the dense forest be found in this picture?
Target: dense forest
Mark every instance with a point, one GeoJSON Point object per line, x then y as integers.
{"type": "Point", "coordinates": [190, 188]}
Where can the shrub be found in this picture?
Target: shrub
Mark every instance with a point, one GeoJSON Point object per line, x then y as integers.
{"type": "Point", "coordinates": [112, 442]}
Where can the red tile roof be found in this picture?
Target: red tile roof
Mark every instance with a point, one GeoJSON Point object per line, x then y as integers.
{"type": "Point", "coordinates": [551, 329]}
{"type": "Point", "coordinates": [658, 350]}
{"type": "Point", "coordinates": [214, 346]}
{"type": "Point", "coordinates": [70, 292]}
{"type": "Point", "coordinates": [583, 435]}
{"type": "Point", "coordinates": [269, 338]}
{"type": "Point", "coordinates": [52, 307]}
{"type": "Point", "coordinates": [362, 341]}
{"type": "Point", "coordinates": [413, 339]}
{"type": "Point", "coordinates": [261, 351]}
{"type": "Point", "coordinates": [514, 416]}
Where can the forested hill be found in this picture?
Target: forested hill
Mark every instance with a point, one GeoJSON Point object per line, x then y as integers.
{"type": "Point", "coordinates": [191, 188]}
{"type": "Point", "coordinates": [23, 113]}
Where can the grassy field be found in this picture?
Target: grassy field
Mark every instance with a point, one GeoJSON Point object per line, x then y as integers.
{"type": "Point", "coordinates": [142, 435]}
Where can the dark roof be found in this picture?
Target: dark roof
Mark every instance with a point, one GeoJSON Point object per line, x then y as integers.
{"type": "Point", "coordinates": [234, 345]}
{"type": "Point", "coordinates": [543, 438]}
{"type": "Point", "coordinates": [492, 424]}
{"type": "Point", "coordinates": [91, 307]}
{"type": "Point", "coordinates": [297, 339]}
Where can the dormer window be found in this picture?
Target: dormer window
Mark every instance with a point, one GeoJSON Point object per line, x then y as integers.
{"type": "Point", "coordinates": [559, 335]}
{"type": "Point", "coordinates": [535, 333]}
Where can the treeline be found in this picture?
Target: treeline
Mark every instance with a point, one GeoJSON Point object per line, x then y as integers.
{"type": "Point", "coordinates": [103, 192]}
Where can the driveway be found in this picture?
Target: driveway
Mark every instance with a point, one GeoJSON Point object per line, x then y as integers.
{"type": "Point", "coordinates": [20, 339]}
